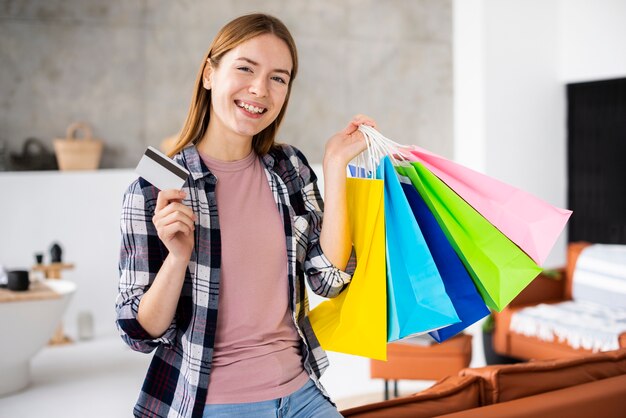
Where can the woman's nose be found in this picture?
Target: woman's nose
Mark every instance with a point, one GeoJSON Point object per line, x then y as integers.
{"type": "Point", "coordinates": [258, 87]}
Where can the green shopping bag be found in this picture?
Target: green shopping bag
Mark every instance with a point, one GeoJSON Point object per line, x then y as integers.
{"type": "Point", "coordinates": [499, 268]}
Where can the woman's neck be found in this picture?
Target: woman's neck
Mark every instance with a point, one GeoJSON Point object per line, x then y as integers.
{"type": "Point", "coordinates": [224, 147]}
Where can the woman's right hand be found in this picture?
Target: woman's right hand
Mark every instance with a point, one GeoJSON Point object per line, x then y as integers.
{"type": "Point", "coordinates": [175, 223]}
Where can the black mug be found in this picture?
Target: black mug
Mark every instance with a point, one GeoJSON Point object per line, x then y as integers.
{"type": "Point", "coordinates": [18, 280]}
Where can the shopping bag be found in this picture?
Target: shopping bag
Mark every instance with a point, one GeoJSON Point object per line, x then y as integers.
{"type": "Point", "coordinates": [459, 286]}
{"type": "Point", "coordinates": [416, 297]}
{"type": "Point", "coordinates": [499, 268]}
{"type": "Point", "coordinates": [355, 322]}
{"type": "Point", "coordinates": [528, 221]}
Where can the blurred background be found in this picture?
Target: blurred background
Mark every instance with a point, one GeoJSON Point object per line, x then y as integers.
{"type": "Point", "coordinates": [128, 68]}
{"type": "Point", "coordinates": [483, 82]}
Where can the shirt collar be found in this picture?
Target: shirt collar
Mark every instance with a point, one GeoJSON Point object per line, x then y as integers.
{"type": "Point", "coordinates": [269, 160]}
{"type": "Point", "coordinates": [193, 162]}
{"type": "Point", "coordinates": [197, 169]}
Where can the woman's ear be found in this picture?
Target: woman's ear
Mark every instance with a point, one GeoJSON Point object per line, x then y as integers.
{"type": "Point", "coordinates": [206, 75]}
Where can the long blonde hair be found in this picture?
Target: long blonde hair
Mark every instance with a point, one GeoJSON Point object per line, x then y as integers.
{"type": "Point", "coordinates": [230, 36]}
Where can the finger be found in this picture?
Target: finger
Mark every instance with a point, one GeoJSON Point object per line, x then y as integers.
{"type": "Point", "coordinates": [173, 207]}
{"type": "Point", "coordinates": [165, 196]}
{"type": "Point", "coordinates": [164, 226]}
{"type": "Point", "coordinates": [170, 231]}
{"type": "Point", "coordinates": [177, 206]}
{"type": "Point", "coordinates": [356, 122]}
{"type": "Point", "coordinates": [364, 120]}
{"type": "Point", "coordinates": [175, 217]}
{"type": "Point", "coordinates": [358, 136]}
{"type": "Point", "coordinates": [348, 130]}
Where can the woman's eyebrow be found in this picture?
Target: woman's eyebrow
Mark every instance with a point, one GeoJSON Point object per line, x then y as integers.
{"type": "Point", "coordinates": [278, 70]}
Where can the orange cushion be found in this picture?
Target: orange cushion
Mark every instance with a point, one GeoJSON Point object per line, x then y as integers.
{"type": "Point", "coordinates": [507, 382]}
{"type": "Point", "coordinates": [452, 394]}
{"type": "Point", "coordinates": [600, 398]}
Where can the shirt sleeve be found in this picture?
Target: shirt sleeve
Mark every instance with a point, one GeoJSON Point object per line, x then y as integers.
{"type": "Point", "coordinates": [140, 260]}
{"type": "Point", "coordinates": [324, 278]}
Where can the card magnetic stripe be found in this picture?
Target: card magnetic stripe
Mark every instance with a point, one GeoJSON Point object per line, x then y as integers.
{"type": "Point", "coordinates": [166, 164]}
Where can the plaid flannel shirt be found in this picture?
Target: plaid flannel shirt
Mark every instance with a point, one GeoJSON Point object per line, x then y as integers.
{"type": "Point", "coordinates": [178, 376]}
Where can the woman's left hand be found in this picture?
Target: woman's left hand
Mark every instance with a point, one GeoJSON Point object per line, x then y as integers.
{"type": "Point", "coordinates": [342, 147]}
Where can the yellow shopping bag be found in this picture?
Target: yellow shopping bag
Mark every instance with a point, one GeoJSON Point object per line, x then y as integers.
{"type": "Point", "coordinates": [355, 322]}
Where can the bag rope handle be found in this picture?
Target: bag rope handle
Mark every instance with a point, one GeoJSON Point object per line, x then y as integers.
{"type": "Point", "coordinates": [79, 126]}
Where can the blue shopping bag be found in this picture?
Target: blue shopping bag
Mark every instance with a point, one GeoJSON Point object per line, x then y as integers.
{"type": "Point", "coordinates": [459, 285]}
{"type": "Point", "coordinates": [416, 297]}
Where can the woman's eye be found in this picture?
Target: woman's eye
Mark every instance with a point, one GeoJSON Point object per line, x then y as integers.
{"type": "Point", "coordinates": [246, 69]}
{"type": "Point", "coordinates": [279, 79]}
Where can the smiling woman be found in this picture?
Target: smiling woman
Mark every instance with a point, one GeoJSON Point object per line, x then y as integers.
{"type": "Point", "coordinates": [238, 240]}
{"type": "Point", "coordinates": [231, 37]}
{"type": "Point", "coordinates": [248, 88]}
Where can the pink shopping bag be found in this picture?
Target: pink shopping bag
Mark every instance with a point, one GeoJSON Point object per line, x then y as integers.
{"type": "Point", "coordinates": [528, 221]}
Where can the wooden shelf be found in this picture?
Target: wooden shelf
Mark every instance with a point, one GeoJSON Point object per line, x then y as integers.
{"type": "Point", "coordinates": [53, 270]}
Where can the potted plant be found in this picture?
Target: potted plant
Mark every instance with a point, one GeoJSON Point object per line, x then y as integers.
{"type": "Point", "coordinates": [491, 357]}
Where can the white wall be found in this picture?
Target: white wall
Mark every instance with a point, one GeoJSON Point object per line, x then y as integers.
{"type": "Point", "coordinates": [81, 211]}
{"type": "Point", "coordinates": [591, 39]}
{"type": "Point", "coordinates": [468, 37]}
{"type": "Point", "coordinates": [512, 61]}
{"type": "Point", "coordinates": [524, 102]}
{"type": "Point", "coordinates": [509, 105]}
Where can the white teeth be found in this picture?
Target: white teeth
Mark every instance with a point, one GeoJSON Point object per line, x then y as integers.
{"type": "Point", "coordinates": [250, 108]}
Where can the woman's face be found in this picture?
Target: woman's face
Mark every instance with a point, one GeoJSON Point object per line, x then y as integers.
{"type": "Point", "coordinates": [249, 86]}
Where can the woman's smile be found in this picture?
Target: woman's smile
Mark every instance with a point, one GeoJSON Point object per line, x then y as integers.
{"type": "Point", "coordinates": [251, 109]}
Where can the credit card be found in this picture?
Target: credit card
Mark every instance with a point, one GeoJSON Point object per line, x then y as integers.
{"type": "Point", "coordinates": [161, 171]}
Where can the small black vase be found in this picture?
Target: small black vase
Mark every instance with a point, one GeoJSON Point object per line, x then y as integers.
{"type": "Point", "coordinates": [56, 253]}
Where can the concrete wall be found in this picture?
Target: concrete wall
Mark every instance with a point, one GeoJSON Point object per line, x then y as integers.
{"type": "Point", "coordinates": [128, 68]}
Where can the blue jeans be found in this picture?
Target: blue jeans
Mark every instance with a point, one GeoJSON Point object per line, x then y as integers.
{"type": "Point", "coordinates": [306, 402]}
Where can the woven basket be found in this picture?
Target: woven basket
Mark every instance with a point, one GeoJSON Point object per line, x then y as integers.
{"type": "Point", "coordinates": [78, 154]}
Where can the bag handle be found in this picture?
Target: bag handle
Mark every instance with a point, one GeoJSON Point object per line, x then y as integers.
{"type": "Point", "coordinates": [33, 147]}
{"type": "Point", "coordinates": [399, 148]}
{"type": "Point", "coordinates": [360, 162]}
{"type": "Point", "coordinates": [379, 146]}
{"type": "Point", "coordinates": [367, 161]}
{"type": "Point", "coordinates": [79, 126]}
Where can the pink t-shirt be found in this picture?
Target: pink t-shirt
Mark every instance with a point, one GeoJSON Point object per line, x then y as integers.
{"type": "Point", "coordinates": [257, 348]}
